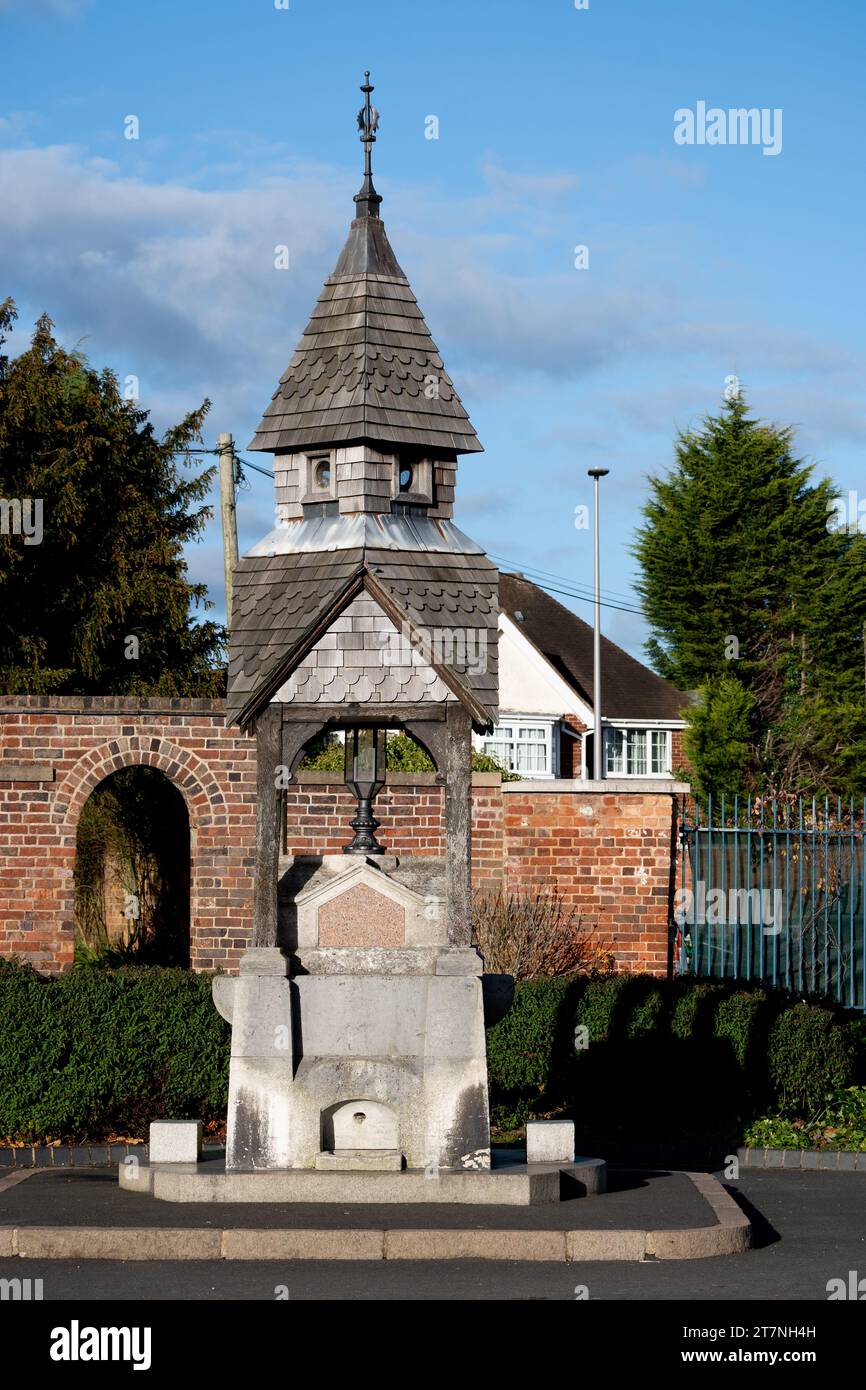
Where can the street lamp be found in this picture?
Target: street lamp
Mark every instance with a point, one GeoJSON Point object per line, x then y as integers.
{"type": "Point", "coordinates": [598, 741]}
{"type": "Point", "coordinates": [365, 778]}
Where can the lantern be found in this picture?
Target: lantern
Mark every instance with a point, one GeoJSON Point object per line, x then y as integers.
{"type": "Point", "coordinates": [365, 778]}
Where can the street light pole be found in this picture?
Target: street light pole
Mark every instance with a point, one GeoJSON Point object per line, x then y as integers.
{"type": "Point", "coordinates": [598, 738]}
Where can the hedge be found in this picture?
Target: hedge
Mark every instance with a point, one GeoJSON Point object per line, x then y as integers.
{"type": "Point", "coordinates": [666, 1060]}
{"type": "Point", "coordinates": [97, 1051]}
{"type": "Point", "coordinates": [100, 1051]}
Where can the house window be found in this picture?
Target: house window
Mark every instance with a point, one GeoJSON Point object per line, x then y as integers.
{"type": "Point", "coordinates": [524, 748]}
{"type": "Point", "coordinates": [637, 752]}
{"type": "Point", "coordinates": [322, 474]}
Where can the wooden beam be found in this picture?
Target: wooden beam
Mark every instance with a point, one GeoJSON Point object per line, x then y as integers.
{"type": "Point", "coordinates": [360, 714]}
{"type": "Point", "coordinates": [296, 735]}
{"type": "Point", "coordinates": [268, 800]}
{"type": "Point", "coordinates": [431, 733]}
{"type": "Point", "coordinates": [458, 825]}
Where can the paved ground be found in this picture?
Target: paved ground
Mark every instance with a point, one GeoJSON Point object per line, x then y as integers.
{"type": "Point", "coordinates": [810, 1227]}
{"type": "Point", "coordinates": [90, 1197]}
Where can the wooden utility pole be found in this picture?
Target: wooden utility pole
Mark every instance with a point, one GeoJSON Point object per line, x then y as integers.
{"type": "Point", "coordinates": [228, 514]}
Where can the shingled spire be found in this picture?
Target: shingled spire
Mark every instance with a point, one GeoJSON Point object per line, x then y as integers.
{"type": "Point", "coordinates": [367, 368]}
{"type": "Point", "coordinates": [365, 429]}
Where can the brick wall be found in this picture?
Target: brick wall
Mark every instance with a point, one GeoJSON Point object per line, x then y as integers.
{"type": "Point", "coordinates": [678, 757]}
{"type": "Point", "coordinates": [611, 855]}
{"type": "Point", "coordinates": [609, 852]}
{"type": "Point", "coordinates": [55, 750]}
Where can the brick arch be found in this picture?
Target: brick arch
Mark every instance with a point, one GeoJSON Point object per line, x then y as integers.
{"type": "Point", "coordinates": [198, 785]}
{"type": "Point", "coordinates": [203, 797]}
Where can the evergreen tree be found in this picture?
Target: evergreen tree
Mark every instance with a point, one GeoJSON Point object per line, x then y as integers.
{"type": "Point", "coordinates": [717, 740]}
{"type": "Point", "coordinates": [744, 574]}
{"type": "Point", "coordinates": [100, 602]}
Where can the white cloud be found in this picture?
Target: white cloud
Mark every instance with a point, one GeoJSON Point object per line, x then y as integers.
{"type": "Point", "coordinates": [176, 282]}
{"type": "Point", "coordinates": [63, 9]}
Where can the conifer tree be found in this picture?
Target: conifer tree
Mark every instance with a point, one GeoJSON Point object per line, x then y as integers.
{"type": "Point", "coordinates": [100, 601]}
{"type": "Point", "coordinates": [746, 575]}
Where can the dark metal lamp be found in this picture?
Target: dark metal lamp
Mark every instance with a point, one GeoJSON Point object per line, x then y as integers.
{"type": "Point", "coordinates": [365, 778]}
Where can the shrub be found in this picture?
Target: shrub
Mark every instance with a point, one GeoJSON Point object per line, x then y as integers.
{"type": "Point", "coordinates": [527, 934]}
{"type": "Point", "coordinates": [530, 1053]}
{"type": "Point", "coordinates": [324, 753]}
{"type": "Point", "coordinates": [809, 1056]}
{"type": "Point", "coordinates": [667, 1060]}
{"type": "Point", "coordinates": [99, 1051]}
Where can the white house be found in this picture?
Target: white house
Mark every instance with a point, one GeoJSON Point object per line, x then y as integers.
{"type": "Point", "coordinates": [547, 721]}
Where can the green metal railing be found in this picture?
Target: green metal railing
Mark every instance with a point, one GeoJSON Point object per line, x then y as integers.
{"type": "Point", "coordinates": [773, 890]}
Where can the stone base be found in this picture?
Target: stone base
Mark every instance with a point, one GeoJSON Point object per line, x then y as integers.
{"type": "Point", "coordinates": [507, 1183]}
{"type": "Point", "coordinates": [324, 1050]}
{"type": "Point", "coordinates": [360, 1161]}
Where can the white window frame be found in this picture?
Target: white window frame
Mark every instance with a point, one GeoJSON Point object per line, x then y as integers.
{"type": "Point", "coordinates": [635, 733]}
{"type": "Point", "coordinates": [514, 723]}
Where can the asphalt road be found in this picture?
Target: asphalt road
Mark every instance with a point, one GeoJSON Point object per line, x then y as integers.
{"type": "Point", "coordinates": [810, 1228]}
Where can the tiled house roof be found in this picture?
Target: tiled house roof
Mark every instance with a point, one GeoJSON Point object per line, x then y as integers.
{"type": "Point", "coordinates": [630, 690]}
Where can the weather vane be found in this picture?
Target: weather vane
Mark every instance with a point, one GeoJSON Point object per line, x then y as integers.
{"type": "Point", "coordinates": [368, 199]}
{"type": "Point", "coordinates": [368, 116]}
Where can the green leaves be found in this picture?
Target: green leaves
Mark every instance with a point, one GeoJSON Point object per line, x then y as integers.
{"type": "Point", "coordinates": [717, 740]}
{"type": "Point", "coordinates": [117, 511]}
{"type": "Point", "coordinates": [758, 601]}
{"type": "Point", "coordinates": [100, 1051]}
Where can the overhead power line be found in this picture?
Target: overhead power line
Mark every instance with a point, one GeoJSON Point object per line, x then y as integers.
{"type": "Point", "coordinates": [539, 577]}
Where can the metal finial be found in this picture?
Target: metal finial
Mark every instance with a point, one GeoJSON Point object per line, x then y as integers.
{"type": "Point", "coordinates": [368, 199]}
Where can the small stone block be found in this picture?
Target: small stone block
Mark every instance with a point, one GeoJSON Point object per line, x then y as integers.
{"type": "Point", "coordinates": [550, 1141]}
{"type": "Point", "coordinates": [175, 1141]}
{"type": "Point", "coordinates": [775, 1158]}
{"type": "Point", "coordinates": [811, 1159]}
{"type": "Point", "coordinates": [848, 1160]}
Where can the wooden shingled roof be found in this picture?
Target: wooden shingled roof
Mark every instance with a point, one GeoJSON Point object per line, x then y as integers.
{"type": "Point", "coordinates": [366, 367]}
{"type": "Point", "coordinates": [282, 603]}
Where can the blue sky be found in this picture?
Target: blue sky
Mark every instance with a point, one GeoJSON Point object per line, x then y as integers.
{"type": "Point", "coordinates": [556, 128]}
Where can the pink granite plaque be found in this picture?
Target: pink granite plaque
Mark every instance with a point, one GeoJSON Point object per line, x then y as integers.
{"type": "Point", "coordinates": [362, 917]}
